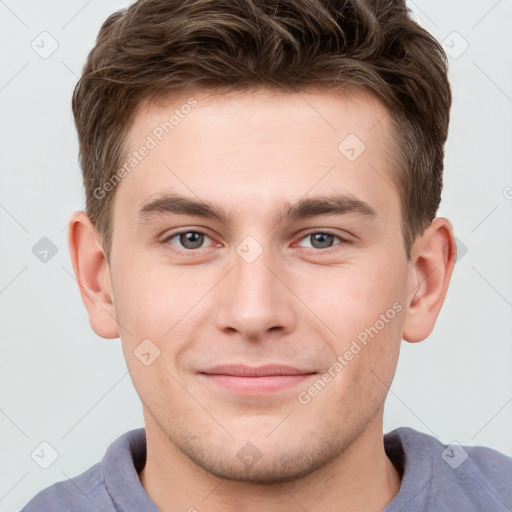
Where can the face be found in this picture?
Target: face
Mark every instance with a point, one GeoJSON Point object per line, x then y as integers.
{"type": "Point", "coordinates": [259, 276]}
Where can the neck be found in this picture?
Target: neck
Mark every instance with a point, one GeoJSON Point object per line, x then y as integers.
{"type": "Point", "coordinates": [363, 478]}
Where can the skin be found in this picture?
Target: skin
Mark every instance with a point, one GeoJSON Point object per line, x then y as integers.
{"type": "Point", "coordinates": [248, 152]}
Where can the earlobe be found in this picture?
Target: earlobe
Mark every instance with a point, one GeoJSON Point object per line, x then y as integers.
{"type": "Point", "coordinates": [92, 273]}
{"type": "Point", "coordinates": [432, 262]}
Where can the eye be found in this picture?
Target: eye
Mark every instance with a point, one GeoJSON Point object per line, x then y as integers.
{"type": "Point", "coordinates": [322, 240]}
{"type": "Point", "coordinates": [188, 240]}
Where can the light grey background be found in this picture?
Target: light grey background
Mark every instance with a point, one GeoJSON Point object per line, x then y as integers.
{"type": "Point", "coordinates": [62, 384]}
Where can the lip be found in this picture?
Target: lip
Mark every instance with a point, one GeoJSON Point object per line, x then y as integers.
{"type": "Point", "coordinates": [255, 380]}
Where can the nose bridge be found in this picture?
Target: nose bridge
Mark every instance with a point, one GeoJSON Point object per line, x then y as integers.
{"type": "Point", "coordinates": [253, 279]}
{"type": "Point", "coordinates": [255, 300]}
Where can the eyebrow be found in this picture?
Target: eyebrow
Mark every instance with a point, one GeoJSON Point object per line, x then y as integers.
{"type": "Point", "coordinates": [335, 204]}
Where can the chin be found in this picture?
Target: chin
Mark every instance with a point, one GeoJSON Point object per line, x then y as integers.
{"type": "Point", "coordinates": [270, 465]}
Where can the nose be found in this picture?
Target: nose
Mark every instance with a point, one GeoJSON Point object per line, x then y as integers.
{"type": "Point", "coordinates": [255, 299]}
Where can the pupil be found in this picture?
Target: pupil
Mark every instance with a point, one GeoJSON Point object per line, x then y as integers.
{"type": "Point", "coordinates": [191, 240]}
{"type": "Point", "coordinates": [321, 240]}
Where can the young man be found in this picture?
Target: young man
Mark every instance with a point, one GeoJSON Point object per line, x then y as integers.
{"type": "Point", "coordinates": [262, 180]}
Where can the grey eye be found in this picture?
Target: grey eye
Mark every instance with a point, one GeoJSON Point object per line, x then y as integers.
{"type": "Point", "coordinates": [190, 239]}
{"type": "Point", "coordinates": [321, 240]}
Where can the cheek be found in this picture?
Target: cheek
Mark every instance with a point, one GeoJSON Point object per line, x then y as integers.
{"type": "Point", "coordinates": [150, 298]}
{"type": "Point", "coordinates": [149, 304]}
{"type": "Point", "coordinates": [163, 305]}
{"type": "Point", "coordinates": [363, 308]}
{"type": "Point", "coordinates": [353, 297]}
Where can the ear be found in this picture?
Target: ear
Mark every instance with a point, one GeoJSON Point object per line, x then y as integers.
{"type": "Point", "coordinates": [432, 261]}
{"type": "Point", "coordinates": [92, 274]}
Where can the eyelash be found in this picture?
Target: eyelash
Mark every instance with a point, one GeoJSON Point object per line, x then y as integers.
{"type": "Point", "coordinates": [193, 252]}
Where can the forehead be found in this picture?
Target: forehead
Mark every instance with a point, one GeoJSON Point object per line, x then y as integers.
{"type": "Point", "coordinates": [264, 143]}
{"type": "Point", "coordinates": [262, 111]}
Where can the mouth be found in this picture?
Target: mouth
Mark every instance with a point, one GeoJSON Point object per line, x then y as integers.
{"type": "Point", "coordinates": [258, 380]}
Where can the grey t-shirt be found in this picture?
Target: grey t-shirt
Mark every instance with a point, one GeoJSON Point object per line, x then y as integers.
{"type": "Point", "coordinates": [436, 478]}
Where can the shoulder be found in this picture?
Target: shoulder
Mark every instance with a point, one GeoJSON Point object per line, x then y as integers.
{"type": "Point", "coordinates": [85, 492]}
{"type": "Point", "coordinates": [97, 487]}
{"type": "Point", "coordinates": [447, 476]}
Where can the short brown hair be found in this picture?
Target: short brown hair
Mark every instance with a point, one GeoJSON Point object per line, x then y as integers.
{"type": "Point", "coordinates": [158, 47]}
